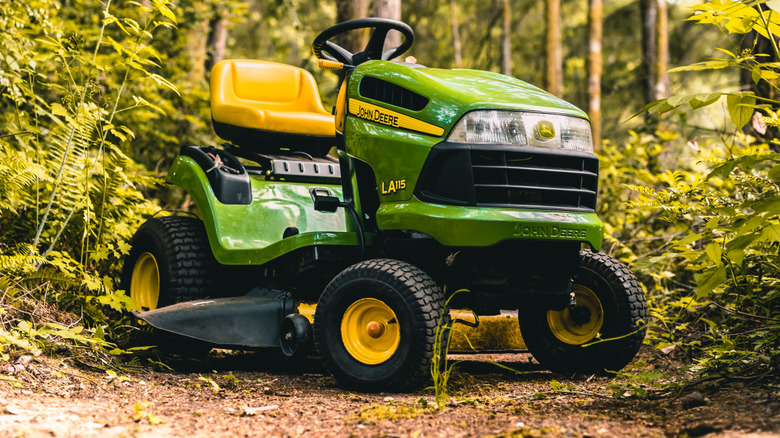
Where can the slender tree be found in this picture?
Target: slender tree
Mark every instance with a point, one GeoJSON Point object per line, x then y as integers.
{"type": "Point", "coordinates": [649, 9]}
{"type": "Point", "coordinates": [389, 9]}
{"type": "Point", "coordinates": [456, 46]}
{"type": "Point", "coordinates": [218, 35]}
{"type": "Point", "coordinates": [506, 52]}
{"type": "Point", "coordinates": [554, 56]}
{"type": "Point", "coordinates": [595, 25]}
{"type": "Point", "coordinates": [765, 51]}
{"type": "Point", "coordinates": [662, 63]}
{"type": "Point", "coordinates": [348, 10]}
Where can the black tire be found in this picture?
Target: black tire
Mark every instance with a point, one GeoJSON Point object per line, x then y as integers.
{"type": "Point", "coordinates": [179, 248]}
{"type": "Point", "coordinates": [611, 304]}
{"type": "Point", "coordinates": [186, 268]}
{"type": "Point", "coordinates": [393, 353]}
{"type": "Point", "coordinates": [295, 336]}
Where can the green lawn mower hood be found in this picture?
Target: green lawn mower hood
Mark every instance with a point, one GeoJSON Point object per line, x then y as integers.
{"type": "Point", "coordinates": [408, 124]}
{"type": "Point", "coordinates": [453, 92]}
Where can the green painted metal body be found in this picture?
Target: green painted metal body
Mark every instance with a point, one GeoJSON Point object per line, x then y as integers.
{"type": "Point", "coordinates": [485, 226]}
{"type": "Point", "coordinates": [253, 234]}
{"type": "Point", "coordinates": [399, 154]}
{"type": "Point", "coordinates": [453, 93]}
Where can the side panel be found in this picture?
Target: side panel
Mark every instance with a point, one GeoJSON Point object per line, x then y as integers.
{"type": "Point", "coordinates": [485, 226]}
{"type": "Point", "coordinates": [253, 234]}
{"type": "Point", "coordinates": [395, 155]}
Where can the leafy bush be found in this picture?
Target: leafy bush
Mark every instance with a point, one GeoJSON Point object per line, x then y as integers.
{"type": "Point", "coordinates": [706, 235]}
{"type": "Point", "coordinates": [69, 195]}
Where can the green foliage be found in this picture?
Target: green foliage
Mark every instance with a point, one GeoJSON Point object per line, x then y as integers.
{"type": "Point", "coordinates": [69, 194]}
{"type": "Point", "coordinates": [706, 235]}
{"type": "Point", "coordinates": [441, 369]}
{"type": "Point", "coordinates": [640, 384]}
{"type": "Point", "coordinates": [720, 300]}
{"type": "Point", "coordinates": [732, 18]}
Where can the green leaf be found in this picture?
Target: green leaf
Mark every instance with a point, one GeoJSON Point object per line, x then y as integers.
{"type": "Point", "coordinates": [58, 110]}
{"type": "Point", "coordinates": [714, 253]}
{"type": "Point", "coordinates": [709, 280]}
{"type": "Point", "coordinates": [736, 256]}
{"type": "Point", "coordinates": [659, 106]}
{"type": "Point", "coordinates": [741, 107]}
{"type": "Point", "coordinates": [771, 233]}
{"type": "Point", "coordinates": [678, 100]}
{"type": "Point", "coordinates": [751, 224]}
{"type": "Point", "coordinates": [165, 12]}
{"type": "Point", "coordinates": [703, 99]}
{"type": "Point", "coordinates": [741, 242]}
{"type": "Point", "coordinates": [705, 65]}
{"type": "Point", "coordinates": [774, 173]}
{"type": "Point", "coordinates": [689, 239]}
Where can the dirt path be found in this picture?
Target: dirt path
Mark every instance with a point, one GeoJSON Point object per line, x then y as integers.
{"type": "Point", "coordinates": [260, 394]}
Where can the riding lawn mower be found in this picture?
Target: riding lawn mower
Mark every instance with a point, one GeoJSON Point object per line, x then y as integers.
{"type": "Point", "coordinates": [349, 234]}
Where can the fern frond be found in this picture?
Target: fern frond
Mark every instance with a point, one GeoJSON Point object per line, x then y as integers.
{"type": "Point", "coordinates": [17, 261]}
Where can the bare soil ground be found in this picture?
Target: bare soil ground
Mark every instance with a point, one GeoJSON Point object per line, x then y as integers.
{"type": "Point", "coordinates": [262, 394]}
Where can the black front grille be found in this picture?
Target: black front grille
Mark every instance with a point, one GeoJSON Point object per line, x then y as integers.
{"type": "Point", "coordinates": [516, 178]}
{"type": "Point", "coordinates": [504, 176]}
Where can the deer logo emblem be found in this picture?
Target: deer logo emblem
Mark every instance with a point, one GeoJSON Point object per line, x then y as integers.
{"type": "Point", "coordinates": [545, 130]}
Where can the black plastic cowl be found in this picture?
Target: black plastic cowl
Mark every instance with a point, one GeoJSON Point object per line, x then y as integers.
{"type": "Point", "coordinates": [228, 178]}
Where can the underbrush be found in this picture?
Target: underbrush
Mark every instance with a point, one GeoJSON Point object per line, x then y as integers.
{"type": "Point", "coordinates": [75, 93]}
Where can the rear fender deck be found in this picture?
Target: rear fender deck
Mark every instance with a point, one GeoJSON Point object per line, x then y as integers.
{"type": "Point", "coordinates": [253, 234]}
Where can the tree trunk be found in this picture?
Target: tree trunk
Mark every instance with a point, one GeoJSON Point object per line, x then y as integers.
{"type": "Point", "coordinates": [595, 25]}
{"type": "Point", "coordinates": [662, 63]}
{"type": "Point", "coordinates": [197, 48]}
{"type": "Point", "coordinates": [354, 41]}
{"type": "Point", "coordinates": [649, 49]}
{"type": "Point", "coordinates": [456, 35]}
{"type": "Point", "coordinates": [218, 35]}
{"type": "Point", "coordinates": [554, 57]}
{"type": "Point", "coordinates": [758, 45]}
{"type": "Point", "coordinates": [506, 52]}
{"type": "Point", "coordinates": [389, 9]}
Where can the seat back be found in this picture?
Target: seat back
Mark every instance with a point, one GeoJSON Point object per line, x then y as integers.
{"type": "Point", "coordinates": [264, 86]}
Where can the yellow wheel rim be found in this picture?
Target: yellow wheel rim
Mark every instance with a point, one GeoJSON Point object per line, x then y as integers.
{"type": "Point", "coordinates": [370, 331]}
{"type": "Point", "coordinates": [580, 324]}
{"type": "Point", "coordinates": [145, 282]}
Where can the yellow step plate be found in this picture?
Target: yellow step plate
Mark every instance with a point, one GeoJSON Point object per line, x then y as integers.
{"type": "Point", "coordinates": [495, 332]}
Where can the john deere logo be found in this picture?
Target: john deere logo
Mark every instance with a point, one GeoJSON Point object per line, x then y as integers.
{"type": "Point", "coordinates": [546, 130]}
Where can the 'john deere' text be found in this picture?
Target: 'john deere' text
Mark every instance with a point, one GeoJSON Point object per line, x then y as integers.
{"type": "Point", "coordinates": [377, 116]}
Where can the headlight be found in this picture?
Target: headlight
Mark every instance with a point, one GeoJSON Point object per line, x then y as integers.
{"type": "Point", "coordinates": [523, 129]}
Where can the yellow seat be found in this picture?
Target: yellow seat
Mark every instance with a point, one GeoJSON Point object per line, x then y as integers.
{"type": "Point", "coordinates": [260, 103]}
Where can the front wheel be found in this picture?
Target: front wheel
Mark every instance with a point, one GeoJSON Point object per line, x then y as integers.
{"type": "Point", "coordinates": [610, 312]}
{"type": "Point", "coordinates": [375, 325]}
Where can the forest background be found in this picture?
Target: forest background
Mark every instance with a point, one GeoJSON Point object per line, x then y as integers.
{"type": "Point", "coordinates": [97, 98]}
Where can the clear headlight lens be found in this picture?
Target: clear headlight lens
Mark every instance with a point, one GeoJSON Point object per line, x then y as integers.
{"type": "Point", "coordinates": [523, 129]}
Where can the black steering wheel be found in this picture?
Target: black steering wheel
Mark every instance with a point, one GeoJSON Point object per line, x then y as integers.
{"type": "Point", "coordinates": [323, 48]}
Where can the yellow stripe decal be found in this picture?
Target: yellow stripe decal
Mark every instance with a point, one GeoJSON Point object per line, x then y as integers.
{"type": "Point", "coordinates": [367, 111]}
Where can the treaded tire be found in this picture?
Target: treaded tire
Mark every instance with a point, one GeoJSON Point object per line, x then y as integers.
{"type": "Point", "coordinates": [180, 247]}
{"type": "Point", "coordinates": [624, 306]}
{"type": "Point", "coordinates": [417, 304]}
{"type": "Point", "coordinates": [187, 271]}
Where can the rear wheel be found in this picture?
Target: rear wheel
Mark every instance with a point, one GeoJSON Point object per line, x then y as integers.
{"type": "Point", "coordinates": [610, 305]}
{"type": "Point", "coordinates": [170, 261]}
{"type": "Point", "coordinates": [375, 325]}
